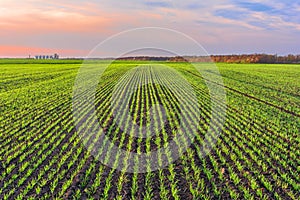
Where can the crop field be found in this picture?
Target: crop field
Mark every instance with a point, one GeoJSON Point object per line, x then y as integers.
{"type": "Point", "coordinates": [256, 156]}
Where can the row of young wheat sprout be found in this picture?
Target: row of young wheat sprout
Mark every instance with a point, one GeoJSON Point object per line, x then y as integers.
{"type": "Point", "coordinates": [44, 156]}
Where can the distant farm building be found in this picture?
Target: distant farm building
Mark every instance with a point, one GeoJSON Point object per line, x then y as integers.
{"type": "Point", "coordinates": [55, 56]}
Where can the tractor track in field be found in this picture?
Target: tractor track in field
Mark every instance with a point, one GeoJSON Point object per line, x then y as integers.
{"type": "Point", "coordinates": [258, 85]}
{"type": "Point", "coordinates": [249, 96]}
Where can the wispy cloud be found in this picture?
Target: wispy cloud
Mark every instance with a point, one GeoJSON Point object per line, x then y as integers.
{"type": "Point", "coordinates": [263, 14]}
{"type": "Point", "coordinates": [231, 14]}
{"type": "Point", "coordinates": [80, 24]}
{"type": "Point", "coordinates": [258, 7]}
{"type": "Point", "coordinates": [160, 4]}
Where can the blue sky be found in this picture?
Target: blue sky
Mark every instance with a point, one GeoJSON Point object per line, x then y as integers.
{"type": "Point", "coordinates": [73, 28]}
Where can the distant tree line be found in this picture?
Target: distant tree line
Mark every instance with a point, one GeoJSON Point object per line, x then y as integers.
{"type": "Point", "coordinates": [244, 58]}
{"type": "Point", "coordinates": [145, 58]}
{"type": "Point", "coordinates": [256, 58]}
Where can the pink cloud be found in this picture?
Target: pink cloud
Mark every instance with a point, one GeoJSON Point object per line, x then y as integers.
{"type": "Point", "coordinates": [55, 22]}
{"type": "Point", "coordinates": [25, 51]}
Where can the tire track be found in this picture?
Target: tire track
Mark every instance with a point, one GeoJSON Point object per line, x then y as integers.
{"type": "Point", "coordinates": [249, 96]}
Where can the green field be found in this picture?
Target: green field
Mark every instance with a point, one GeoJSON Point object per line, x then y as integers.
{"type": "Point", "coordinates": [255, 157]}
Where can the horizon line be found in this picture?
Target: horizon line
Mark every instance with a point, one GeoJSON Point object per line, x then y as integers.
{"type": "Point", "coordinates": [153, 56]}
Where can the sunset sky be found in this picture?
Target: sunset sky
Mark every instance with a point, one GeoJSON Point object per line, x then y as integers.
{"type": "Point", "coordinates": [74, 27]}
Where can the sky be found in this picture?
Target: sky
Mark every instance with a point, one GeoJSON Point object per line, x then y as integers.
{"type": "Point", "coordinates": [73, 28]}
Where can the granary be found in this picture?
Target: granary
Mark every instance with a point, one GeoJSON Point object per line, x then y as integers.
{"type": "Point", "coordinates": [55, 56]}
